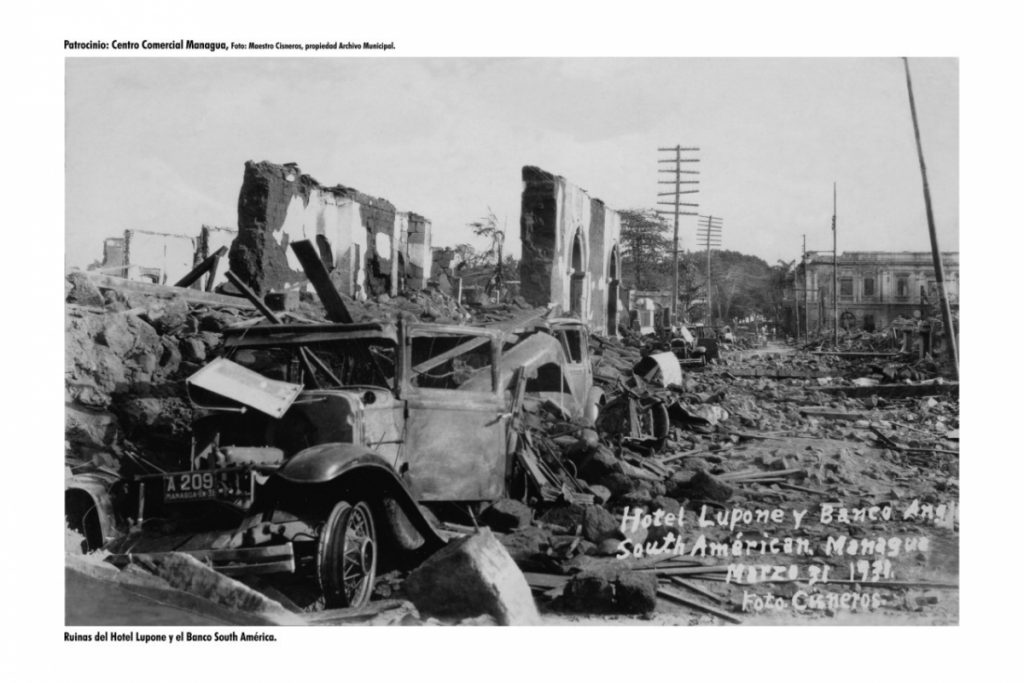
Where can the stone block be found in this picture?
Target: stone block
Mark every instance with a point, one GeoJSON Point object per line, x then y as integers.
{"type": "Point", "coordinates": [472, 576]}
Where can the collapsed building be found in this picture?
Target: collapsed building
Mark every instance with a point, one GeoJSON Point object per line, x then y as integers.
{"type": "Point", "coordinates": [158, 257]}
{"type": "Point", "coordinates": [657, 446]}
{"type": "Point", "coordinates": [369, 246]}
{"type": "Point", "coordinates": [874, 288]}
{"type": "Point", "coordinates": [163, 258]}
{"type": "Point", "coordinates": [571, 253]}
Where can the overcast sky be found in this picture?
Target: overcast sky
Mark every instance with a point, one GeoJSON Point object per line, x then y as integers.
{"type": "Point", "coordinates": [159, 144]}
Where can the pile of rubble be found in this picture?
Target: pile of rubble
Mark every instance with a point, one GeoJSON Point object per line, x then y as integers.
{"type": "Point", "coordinates": [129, 349]}
{"type": "Point", "coordinates": [756, 429]}
{"type": "Point", "coordinates": [127, 355]}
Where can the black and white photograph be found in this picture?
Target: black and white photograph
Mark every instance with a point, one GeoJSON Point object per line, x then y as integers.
{"type": "Point", "coordinates": [512, 341]}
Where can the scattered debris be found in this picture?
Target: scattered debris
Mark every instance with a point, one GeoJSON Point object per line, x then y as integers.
{"type": "Point", "coordinates": [747, 427]}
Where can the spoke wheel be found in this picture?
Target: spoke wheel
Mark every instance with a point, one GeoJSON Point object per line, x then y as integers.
{"type": "Point", "coordinates": [347, 556]}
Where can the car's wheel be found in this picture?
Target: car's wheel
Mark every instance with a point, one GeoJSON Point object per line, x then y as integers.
{"type": "Point", "coordinates": [347, 556]}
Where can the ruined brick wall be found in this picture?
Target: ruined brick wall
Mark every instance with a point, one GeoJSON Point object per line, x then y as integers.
{"type": "Point", "coordinates": [418, 266]}
{"type": "Point", "coordinates": [359, 236]}
{"type": "Point", "coordinates": [113, 256]}
{"type": "Point", "coordinates": [604, 267]}
{"type": "Point", "coordinates": [538, 229]}
{"type": "Point", "coordinates": [442, 268]}
{"type": "Point", "coordinates": [569, 240]}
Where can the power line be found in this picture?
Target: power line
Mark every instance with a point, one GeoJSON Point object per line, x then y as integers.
{"type": "Point", "coordinates": [709, 228]}
{"type": "Point", "coordinates": [676, 168]}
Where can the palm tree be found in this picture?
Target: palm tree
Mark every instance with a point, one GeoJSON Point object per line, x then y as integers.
{"type": "Point", "coordinates": [488, 227]}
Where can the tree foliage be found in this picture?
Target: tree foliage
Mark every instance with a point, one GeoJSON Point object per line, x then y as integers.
{"type": "Point", "coordinates": [741, 285]}
{"type": "Point", "coordinates": [488, 226]}
{"type": "Point", "coordinates": [644, 244]}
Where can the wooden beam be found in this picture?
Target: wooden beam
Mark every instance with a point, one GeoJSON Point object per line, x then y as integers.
{"type": "Point", "coordinates": [192, 296]}
{"type": "Point", "coordinates": [858, 354]}
{"type": "Point", "coordinates": [204, 265]}
{"type": "Point", "coordinates": [674, 596]}
{"type": "Point", "coordinates": [318, 276]}
{"type": "Point", "coordinates": [306, 357]}
{"type": "Point", "coordinates": [894, 390]}
{"type": "Point", "coordinates": [829, 414]}
{"type": "Point", "coordinates": [464, 347]}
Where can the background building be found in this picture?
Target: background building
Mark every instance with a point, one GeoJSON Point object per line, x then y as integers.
{"type": "Point", "coordinates": [570, 250]}
{"type": "Point", "coordinates": [875, 288]}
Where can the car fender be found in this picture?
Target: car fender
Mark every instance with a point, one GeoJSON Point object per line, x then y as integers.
{"type": "Point", "coordinates": [595, 401]}
{"type": "Point", "coordinates": [334, 463]}
{"type": "Point", "coordinates": [328, 461]}
{"type": "Point", "coordinates": [88, 499]}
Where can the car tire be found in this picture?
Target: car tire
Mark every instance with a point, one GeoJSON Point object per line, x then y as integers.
{"type": "Point", "coordinates": [346, 561]}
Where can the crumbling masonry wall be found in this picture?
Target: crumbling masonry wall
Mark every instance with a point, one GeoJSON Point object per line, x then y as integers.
{"type": "Point", "coordinates": [570, 250]}
{"type": "Point", "coordinates": [419, 251]}
{"type": "Point", "coordinates": [362, 239]}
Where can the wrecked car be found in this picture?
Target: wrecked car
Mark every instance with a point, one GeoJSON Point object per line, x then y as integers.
{"type": "Point", "coordinates": [321, 451]}
{"type": "Point", "coordinates": [555, 355]}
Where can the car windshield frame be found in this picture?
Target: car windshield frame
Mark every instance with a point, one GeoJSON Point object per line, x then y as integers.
{"type": "Point", "coordinates": [291, 339]}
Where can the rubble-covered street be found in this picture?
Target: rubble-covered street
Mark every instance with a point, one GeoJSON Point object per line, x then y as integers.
{"type": "Point", "coordinates": [778, 484]}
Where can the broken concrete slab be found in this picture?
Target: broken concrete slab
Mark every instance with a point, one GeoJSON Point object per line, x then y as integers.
{"type": "Point", "coordinates": [188, 574]}
{"type": "Point", "coordinates": [471, 576]}
{"type": "Point", "coordinates": [96, 593]}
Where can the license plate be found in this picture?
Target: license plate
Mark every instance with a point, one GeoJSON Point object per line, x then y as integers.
{"type": "Point", "coordinates": [217, 485]}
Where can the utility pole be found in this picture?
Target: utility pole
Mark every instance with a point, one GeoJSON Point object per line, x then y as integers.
{"type": "Point", "coordinates": [796, 308]}
{"type": "Point", "coordinates": [940, 279]}
{"type": "Point", "coordinates": [709, 229]}
{"type": "Point", "coordinates": [676, 168]}
{"type": "Point", "coordinates": [835, 274]}
{"type": "Point", "coordinates": [807, 319]}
